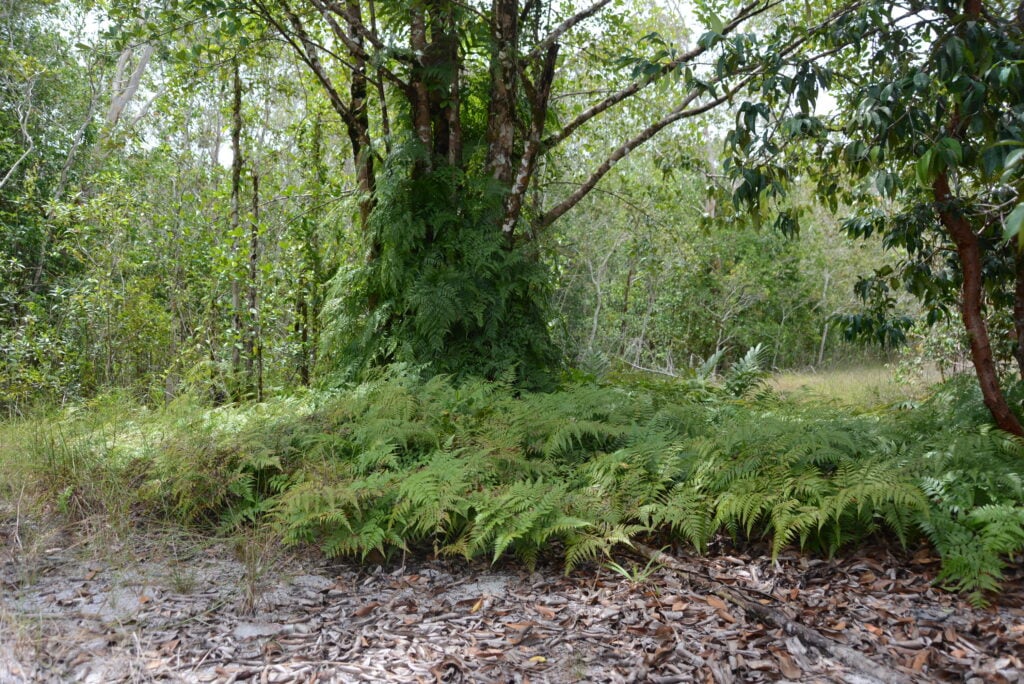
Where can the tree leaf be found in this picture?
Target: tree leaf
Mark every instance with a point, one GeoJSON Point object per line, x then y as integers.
{"type": "Point", "coordinates": [1012, 161]}
{"type": "Point", "coordinates": [954, 147]}
{"type": "Point", "coordinates": [923, 168]}
{"type": "Point", "coordinates": [715, 23]}
{"type": "Point", "coordinates": [1013, 223]}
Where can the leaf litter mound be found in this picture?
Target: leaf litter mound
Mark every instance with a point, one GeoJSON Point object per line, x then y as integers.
{"type": "Point", "coordinates": [151, 608]}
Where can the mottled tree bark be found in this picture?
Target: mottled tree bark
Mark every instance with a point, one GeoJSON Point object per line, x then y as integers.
{"type": "Point", "coordinates": [501, 115]}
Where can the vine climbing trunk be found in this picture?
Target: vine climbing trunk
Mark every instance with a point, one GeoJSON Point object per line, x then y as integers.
{"type": "Point", "coordinates": [969, 253]}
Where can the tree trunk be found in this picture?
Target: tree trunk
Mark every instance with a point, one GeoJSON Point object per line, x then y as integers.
{"type": "Point", "coordinates": [236, 182]}
{"type": "Point", "coordinates": [501, 118]}
{"type": "Point", "coordinates": [302, 329]}
{"type": "Point", "coordinates": [969, 252]}
{"type": "Point", "coordinates": [624, 326]}
{"type": "Point", "coordinates": [359, 127]}
{"type": "Point", "coordinates": [254, 341]}
{"type": "Point", "coordinates": [1018, 311]}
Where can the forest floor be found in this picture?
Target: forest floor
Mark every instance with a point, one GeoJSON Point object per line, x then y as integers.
{"type": "Point", "coordinates": [83, 603]}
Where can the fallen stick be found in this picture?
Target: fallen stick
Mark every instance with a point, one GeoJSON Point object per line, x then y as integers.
{"type": "Point", "coordinates": [840, 652]}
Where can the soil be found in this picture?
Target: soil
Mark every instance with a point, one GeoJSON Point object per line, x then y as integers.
{"type": "Point", "coordinates": [88, 604]}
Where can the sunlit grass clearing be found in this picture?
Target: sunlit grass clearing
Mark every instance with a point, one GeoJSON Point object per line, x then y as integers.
{"type": "Point", "coordinates": [863, 386]}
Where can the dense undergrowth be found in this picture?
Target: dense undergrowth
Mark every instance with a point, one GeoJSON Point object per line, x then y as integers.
{"type": "Point", "coordinates": [478, 469]}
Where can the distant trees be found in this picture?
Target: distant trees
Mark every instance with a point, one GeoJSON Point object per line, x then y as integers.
{"type": "Point", "coordinates": [47, 100]}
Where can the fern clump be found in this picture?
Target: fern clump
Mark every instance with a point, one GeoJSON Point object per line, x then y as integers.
{"type": "Point", "coordinates": [975, 485]}
{"type": "Point", "coordinates": [479, 469]}
{"type": "Point", "coordinates": [445, 292]}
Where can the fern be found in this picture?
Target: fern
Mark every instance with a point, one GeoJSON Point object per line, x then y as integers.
{"type": "Point", "coordinates": [476, 468]}
{"type": "Point", "coordinates": [432, 501]}
{"type": "Point", "coordinates": [526, 514]}
{"type": "Point", "coordinates": [973, 547]}
{"type": "Point", "coordinates": [749, 373]}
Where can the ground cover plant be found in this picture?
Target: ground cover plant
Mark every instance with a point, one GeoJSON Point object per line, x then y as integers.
{"type": "Point", "coordinates": [400, 464]}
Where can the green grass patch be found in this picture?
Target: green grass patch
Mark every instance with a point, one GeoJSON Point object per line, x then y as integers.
{"type": "Point", "coordinates": [856, 386]}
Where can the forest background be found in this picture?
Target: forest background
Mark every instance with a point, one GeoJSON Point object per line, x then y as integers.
{"type": "Point", "coordinates": [494, 278]}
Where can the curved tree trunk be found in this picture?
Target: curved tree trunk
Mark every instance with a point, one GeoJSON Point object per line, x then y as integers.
{"type": "Point", "coordinates": [969, 253]}
{"type": "Point", "coordinates": [1018, 309]}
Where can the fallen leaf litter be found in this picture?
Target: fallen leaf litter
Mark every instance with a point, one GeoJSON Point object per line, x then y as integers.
{"type": "Point", "coordinates": [65, 616]}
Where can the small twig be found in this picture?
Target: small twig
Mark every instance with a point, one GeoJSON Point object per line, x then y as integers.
{"type": "Point", "coordinates": [17, 520]}
{"type": "Point", "coordinates": [648, 370]}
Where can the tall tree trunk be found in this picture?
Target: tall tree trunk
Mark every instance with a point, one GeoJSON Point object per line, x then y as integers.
{"type": "Point", "coordinates": [254, 338]}
{"type": "Point", "coordinates": [302, 329]}
{"type": "Point", "coordinates": [969, 252]}
{"type": "Point", "coordinates": [382, 99]}
{"type": "Point", "coordinates": [419, 96]}
{"type": "Point", "coordinates": [501, 119]}
{"type": "Point", "coordinates": [1018, 309]}
{"type": "Point", "coordinates": [236, 183]}
{"type": "Point", "coordinates": [359, 125]}
{"type": "Point", "coordinates": [624, 325]}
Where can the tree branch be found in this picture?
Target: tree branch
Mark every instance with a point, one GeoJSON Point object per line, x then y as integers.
{"type": "Point", "coordinates": [120, 97]}
{"type": "Point", "coordinates": [306, 51]}
{"type": "Point", "coordinates": [539, 97]}
{"type": "Point", "coordinates": [583, 117]}
{"type": "Point", "coordinates": [567, 25]}
{"type": "Point", "coordinates": [23, 123]}
{"type": "Point", "coordinates": [683, 111]}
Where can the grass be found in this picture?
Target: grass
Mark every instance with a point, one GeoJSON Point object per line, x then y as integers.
{"type": "Point", "coordinates": [865, 387]}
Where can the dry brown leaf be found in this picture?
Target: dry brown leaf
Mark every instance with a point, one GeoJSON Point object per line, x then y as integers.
{"type": "Point", "coordinates": [664, 633]}
{"type": "Point", "coordinates": [788, 666]}
{"type": "Point", "coordinates": [920, 660]}
{"type": "Point", "coordinates": [520, 626]}
{"type": "Point", "coordinates": [716, 603]}
{"type": "Point", "coordinates": [364, 610]}
{"type": "Point", "coordinates": [549, 613]}
{"type": "Point", "coordinates": [169, 646]}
